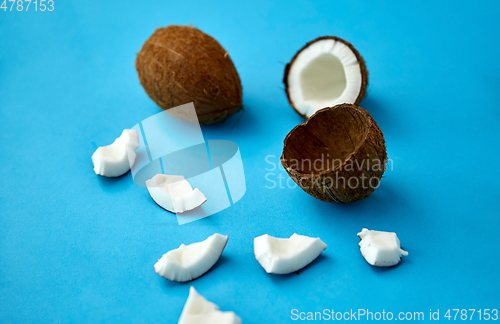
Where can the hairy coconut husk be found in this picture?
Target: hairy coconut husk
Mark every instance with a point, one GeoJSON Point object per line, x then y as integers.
{"type": "Point", "coordinates": [350, 145]}
{"type": "Point", "coordinates": [362, 66]}
{"type": "Point", "coordinates": [181, 64]}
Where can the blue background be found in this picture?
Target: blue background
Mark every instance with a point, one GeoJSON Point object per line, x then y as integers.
{"type": "Point", "coordinates": [78, 247]}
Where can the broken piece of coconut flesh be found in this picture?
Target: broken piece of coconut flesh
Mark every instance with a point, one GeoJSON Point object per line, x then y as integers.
{"type": "Point", "coordinates": [198, 310]}
{"type": "Point", "coordinates": [286, 255]}
{"type": "Point", "coordinates": [191, 261]}
{"type": "Point", "coordinates": [326, 72]}
{"type": "Point", "coordinates": [381, 249]}
{"type": "Point", "coordinates": [117, 158]}
{"type": "Point", "coordinates": [174, 193]}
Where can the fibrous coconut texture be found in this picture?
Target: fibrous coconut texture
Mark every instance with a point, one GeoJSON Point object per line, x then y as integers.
{"type": "Point", "coordinates": [381, 249]}
{"type": "Point", "coordinates": [286, 255]}
{"type": "Point", "coordinates": [117, 158]}
{"type": "Point", "coordinates": [198, 310]}
{"type": "Point", "coordinates": [338, 155]}
{"type": "Point", "coordinates": [325, 72]}
{"type": "Point", "coordinates": [174, 193]}
{"type": "Point", "coordinates": [181, 64]}
{"type": "Point", "coordinates": [191, 261]}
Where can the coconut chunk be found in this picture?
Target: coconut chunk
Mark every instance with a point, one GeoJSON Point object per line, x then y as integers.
{"type": "Point", "coordinates": [117, 158]}
{"type": "Point", "coordinates": [191, 261]}
{"type": "Point", "coordinates": [381, 249]}
{"type": "Point", "coordinates": [174, 193]}
{"type": "Point", "coordinates": [286, 255]}
{"type": "Point", "coordinates": [325, 72]}
{"type": "Point", "coordinates": [198, 310]}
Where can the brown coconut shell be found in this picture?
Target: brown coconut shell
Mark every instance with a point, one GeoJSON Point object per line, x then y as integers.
{"type": "Point", "coordinates": [350, 145]}
{"type": "Point", "coordinates": [181, 64]}
{"type": "Point", "coordinates": [362, 66]}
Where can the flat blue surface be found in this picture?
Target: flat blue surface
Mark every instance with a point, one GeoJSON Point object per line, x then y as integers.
{"type": "Point", "coordinates": [75, 247]}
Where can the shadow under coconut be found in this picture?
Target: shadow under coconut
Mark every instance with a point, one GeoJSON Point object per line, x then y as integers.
{"type": "Point", "coordinates": [385, 199]}
{"type": "Point", "coordinates": [246, 121]}
{"type": "Point", "coordinates": [115, 184]}
{"type": "Point", "coordinates": [172, 284]}
{"type": "Point", "coordinates": [220, 263]}
{"type": "Point", "coordinates": [383, 115]}
{"type": "Point", "coordinates": [386, 202]}
{"type": "Point", "coordinates": [171, 218]}
{"type": "Point", "coordinates": [279, 278]}
{"type": "Point", "coordinates": [239, 120]}
{"type": "Point", "coordinates": [384, 270]}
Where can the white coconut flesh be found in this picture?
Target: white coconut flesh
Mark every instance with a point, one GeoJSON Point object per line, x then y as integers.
{"type": "Point", "coordinates": [117, 158]}
{"type": "Point", "coordinates": [286, 255]}
{"type": "Point", "coordinates": [324, 74]}
{"type": "Point", "coordinates": [381, 249]}
{"type": "Point", "coordinates": [174, 193]}
{"type": "Point", "coordinates": [191, 261]}
{"type": "Point", "coordinates": [198, 310]}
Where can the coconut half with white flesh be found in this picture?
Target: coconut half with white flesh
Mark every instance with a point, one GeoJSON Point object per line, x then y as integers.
{"type": "Point", "coordinates": [191, 261]}
{"type": "Point", "coordinates": [286, 255]}
{"type": "Point", "coordinates": [174, 193]}
{"type": "Point", "coordinates": [381, 249]}
{"type": "Point", "coordinates": [326, 72]}
{"type": "Point", "coordinates": [117, 158]}
{"type": "Point", "coordinates": [198, 310]}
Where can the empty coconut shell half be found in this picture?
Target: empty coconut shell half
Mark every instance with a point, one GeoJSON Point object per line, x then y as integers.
{"type": "Point", "coordinates": [338, 155]}
{"type": "Point", "coordinates": [326, 72]}
{"type": "Point", "coordinates": [181, 64]}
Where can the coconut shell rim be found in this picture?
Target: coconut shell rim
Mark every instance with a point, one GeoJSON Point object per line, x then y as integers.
{"type": "Point", "coordinates": [362, 66]}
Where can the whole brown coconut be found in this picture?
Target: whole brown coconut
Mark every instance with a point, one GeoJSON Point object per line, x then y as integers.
{"type": "Point", "coordinates": [181, 64]}
{"type": "Point", "coordinates": [338, 155]}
